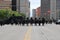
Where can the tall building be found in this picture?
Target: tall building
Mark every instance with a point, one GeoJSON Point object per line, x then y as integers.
{"type": "Point", "coordinates": [45, 9]}
{"type": "Point", "coordinates": [5, 4]}
{"type": "Point", "coordinates": [50, 9]}
{"type": "Point", "coordinates": [38, 12]}
{"type": "Point", "coordinates": [58, 9]}
{"type": "Point", "coordinates": [23, 6]}
{"type": "Point", "coordinates": [55, 9]}
{"type": "Point", "coordinates": [33, 13]}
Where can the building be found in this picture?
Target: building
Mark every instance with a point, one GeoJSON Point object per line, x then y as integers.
{"type": "Point", "coordinates": [8, 4]}
{"type": "Point", "coordinates": [58, 9]}
{"type": "Point", "coordinates": [23, 6]}
{"type": "Point", "coordinates": [50, 9]}
{"type": "Point", "coordinates": [55, 9]}
{"type": "Point", "coordinates": [5, 4]}
{"type": "Point", "coordinates": [38, 11]}
{"type": "Point", "coordinates": [33, 13]}
{"type": "Point", "coordinates": [45, 9]}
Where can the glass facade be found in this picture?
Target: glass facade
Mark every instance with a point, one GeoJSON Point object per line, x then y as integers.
{"type": "Point", "coordinates": [58, 8]}
{"type": "Point", "coordinates": [45, 8]}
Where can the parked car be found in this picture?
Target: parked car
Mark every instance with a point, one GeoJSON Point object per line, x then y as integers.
{"type": "Point", "coordinates": [57, 21]}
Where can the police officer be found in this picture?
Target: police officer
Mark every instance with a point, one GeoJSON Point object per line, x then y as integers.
{"type": "Point", "coordinates": [39, 21]}
{"type": "Point", "coordinates": [50, 21]}
{"type": "Point", "coordinates": [1, 23]}
{"type": "Point", "coordinates": [31, 21]}
{"type": "Point", "coordinates": [12, 19]}
{"type": "Point", "coordinates": [27, 21]}
{"type": "Point", "coordinates": [43, 21]}
{"type": "Point", "coordinates": [35, 21]}
{"type": "Point", "coordinates": [23, 21]}
{"type": "Point", "coordinates": [20, 20]}
{"type": "Point", "coordinates": [46, 21]}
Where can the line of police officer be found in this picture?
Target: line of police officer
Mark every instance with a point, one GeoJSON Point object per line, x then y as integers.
{"type": "Point", "coordinates": [21, 20]}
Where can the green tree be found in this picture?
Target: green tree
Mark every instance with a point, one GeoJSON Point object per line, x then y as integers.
{"type": "Point", "coordinates": [8, 13]}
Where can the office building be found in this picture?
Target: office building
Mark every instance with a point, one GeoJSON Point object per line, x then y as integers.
{"type": "Point", "coordinates": [33, 13]}
{"type": "Point", "coordinates": [38, 12]}
{"type": "Point", "coordinates": [45, 9]}
{"type": "Point", "coordinates": [55, 9]}
{"type": "Point", "coordinates": [23, 6]}
{"type": "Point", "coordinates": [5, 4]}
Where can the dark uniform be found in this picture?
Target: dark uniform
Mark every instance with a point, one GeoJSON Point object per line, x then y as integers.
{"type": "Point", "coordinates": [12, 19]}
{"type": "Point", "coordinates": [35, 21]}
{"type": "Point", "coordinates": [39, 21]}
{"type": "Point", "coordinates": [31, 21]}
{"type": "Point", "coordinates": [1, 22]}
{"type": "Point", "coordinates": [27, 21]}
{"type": "Point", "coordinates": [20, 20]}
{"type": "Point", "coordinates": [46, 21]}
{"type": "Point", "coordinates": [50, 21]}
{"type": "Point", "coordinates": [43, 21]}
{"type": "Point", "coordinates": [23, 21]}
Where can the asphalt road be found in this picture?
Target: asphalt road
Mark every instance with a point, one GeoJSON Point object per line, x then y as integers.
{"type": "Point", "coordinates": [17, 32]}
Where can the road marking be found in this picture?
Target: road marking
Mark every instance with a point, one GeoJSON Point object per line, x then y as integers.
{"type": "Point", "coordinates": [28, 34]}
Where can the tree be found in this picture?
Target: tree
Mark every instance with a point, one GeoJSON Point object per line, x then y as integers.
{"type": "Point", "coordinates": [8, 13]}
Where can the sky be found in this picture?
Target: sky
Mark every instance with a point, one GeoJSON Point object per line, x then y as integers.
{"type": "Point", "coordinates": [34, 4]}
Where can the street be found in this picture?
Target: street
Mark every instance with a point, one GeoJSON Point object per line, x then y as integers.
{"type": "Point", "coordinates": [17, 32]}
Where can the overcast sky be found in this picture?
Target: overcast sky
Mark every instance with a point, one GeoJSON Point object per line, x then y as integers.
{"type": "Point", "coordinates": [34, 4]}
